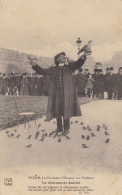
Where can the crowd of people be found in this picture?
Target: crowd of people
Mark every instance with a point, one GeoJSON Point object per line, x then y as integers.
{"type": "Point", "coordinates": [94, 85]}
{"type": "Point", "coordinates": [24, 84]}
{"type": "Point", "coordinates": [87, 84]}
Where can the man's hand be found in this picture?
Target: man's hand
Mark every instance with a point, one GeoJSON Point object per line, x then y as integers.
{"type": "Point", "coordinates": [32, 57]}
{"type": "Point", "coordinates": [33, 63]}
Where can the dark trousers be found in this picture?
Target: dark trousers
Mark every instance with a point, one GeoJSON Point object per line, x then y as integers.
{"type": "Point", "coordinates": [66, 124]}
{"type": "Point", "coordinates": [59, 110]}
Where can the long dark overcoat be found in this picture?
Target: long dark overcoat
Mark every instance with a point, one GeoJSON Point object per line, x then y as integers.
{"type": "Point", "coordinates": [71, 101]}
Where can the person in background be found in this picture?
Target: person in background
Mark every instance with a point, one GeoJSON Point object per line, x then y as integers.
{"type": "Point", "coordinates": [86, 73]}
{"type": "Point", "coordinates": [24, 85]}
{"type": "Point", "coordinates": [80, 81]}
{"type": "Point", "coordinates": [1, 82]}
{"type": "Point", "coordinates": [89, 86]}
{"type": "Point", "coordinates": [100, 84]}
{"type": "Point", "coordinates": [95, 76]}
{"type": "Point", "coordinates": [106, 79]}
{"type": "Point", "coordinates": [46, 84]}
{"type": "Point", "coordinates": [119, 97]}
{"type": "Point", "coordinates": [110, 81]}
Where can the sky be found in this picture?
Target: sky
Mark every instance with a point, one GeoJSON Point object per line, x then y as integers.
{"type": "Point", "coordinates": [46, 27]}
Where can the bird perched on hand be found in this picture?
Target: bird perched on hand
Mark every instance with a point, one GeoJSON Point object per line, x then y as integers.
{"type": "Point", "coordinates": [86, 48]}
{"type": "Point", "coordinates": [32, 57]}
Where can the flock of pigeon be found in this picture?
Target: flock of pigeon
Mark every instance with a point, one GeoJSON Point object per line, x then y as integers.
{"type": "Point", "coordinates": [42, 134]}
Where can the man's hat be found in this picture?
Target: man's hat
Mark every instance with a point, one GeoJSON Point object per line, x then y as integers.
{"type": "Point", "coordinates": [62, 53]}
{"type": "Point", "coordinates": [111, 68]}
{"type": "Point", "coordinates": [95, 70]}
{"type": "Point", "coordinates": [107, 68]}
{"type": "Point", "coordinates": [120, 68]}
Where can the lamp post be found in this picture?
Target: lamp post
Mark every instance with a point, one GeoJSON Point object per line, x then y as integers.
{"type": "Point", "coordinates": [78, 43]}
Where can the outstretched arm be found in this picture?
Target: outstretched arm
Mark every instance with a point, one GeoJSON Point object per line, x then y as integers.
{"type": "Point", "coordinates": [38, 69]}
{"type": "Point", "coordinates": [77, 64]}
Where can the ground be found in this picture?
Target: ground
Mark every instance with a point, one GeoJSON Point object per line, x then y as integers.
{"type": "Point", "coordinates": [25, 151]}
{"type": "Point", "coordinates": [51, 152]}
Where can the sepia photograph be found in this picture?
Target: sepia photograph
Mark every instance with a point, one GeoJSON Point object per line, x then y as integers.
{"type": "Point", "coordinates": [60, 97]}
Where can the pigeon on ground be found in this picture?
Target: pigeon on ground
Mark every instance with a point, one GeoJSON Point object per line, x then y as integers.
{"type": "Point", "coordinates": [42, 139]}
{"type": "Point", "coordinates": [83, 136]}
{"type": "Point", "coordinates": [7, 132]}
{"type": "Point", "coordinates": [28, 146]}
{"type": "Point", "coordinates": [86, 48]}
{"type": "Point", "coordinates": [89, 129]}
{"type": "Point", "coordinates": [107, 141]}
{"type": "Point", "coordinates": [84, 146]}
{"type": "Point", "coordinates": [55, 135]}
{"type": "Point", "coordinates": [39, 125]}
{"type": "Point", "coordinates": [18, 136]}
{"type": "Point", "coordinates": [106, 133]}
{"type": "Point", "coordinates": [15, 130]}
{"type": "Point", "coordinates": [67, 137]}
{"type": "Point", "coordinates": [59, 140]}
{"type": "Point", "coordinates": [88, 137]}
{"type": "Point", "coordinates": [52, 133]}
{"type": "Point", "coordinates": [84, 128]}
{"type": "Point", "coordinates": [37, 134]}
{"type": "Point", "coordinates": [29, 137]}
{"type": "Point", "coordinates": [11, 135]}
{"type": "Point", "coordinates": [45, 134]}
{"type": "Point", "coordinates": [98, 128]}
{"type": "Point", "coordinates": [43, 130]}
{"type": "Point", "coordinates": [92, 134]}
{"type": "Point", "coordinates": [76, 121]}
{"type": "Point", "coordinates": [81, 123]}
{"type": "Point", "coordinates": [104, 126]}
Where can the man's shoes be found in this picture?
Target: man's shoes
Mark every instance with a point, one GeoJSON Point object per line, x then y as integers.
{"type": "Point", "coordinates": [66, 131]}
{"type": "Point", "coordinates": [59, 132]}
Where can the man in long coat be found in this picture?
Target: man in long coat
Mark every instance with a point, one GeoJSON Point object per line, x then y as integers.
{"type": "Point", "coordinates": [120, 84]}
{"type": "Point", "coordinates": [63, 99]}
{"type": "Point", "coordinates": [80, 81]}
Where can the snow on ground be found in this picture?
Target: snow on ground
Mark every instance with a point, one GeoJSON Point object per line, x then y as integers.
{"type": "Point", "coordinates": [49, 152]}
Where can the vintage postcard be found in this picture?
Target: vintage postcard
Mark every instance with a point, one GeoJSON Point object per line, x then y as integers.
{"type": "Point", "coordinates": [60, 97]}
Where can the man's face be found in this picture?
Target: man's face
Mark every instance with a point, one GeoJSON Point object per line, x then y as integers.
{"type": "Point", "coordinates": [120, 72]}
{"type": "Point", "coordinates": [111, 71]}
{"type": "Point", "coordinates": [107, 71]}
{"type": "Point", "coordinates": [61, 58]}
